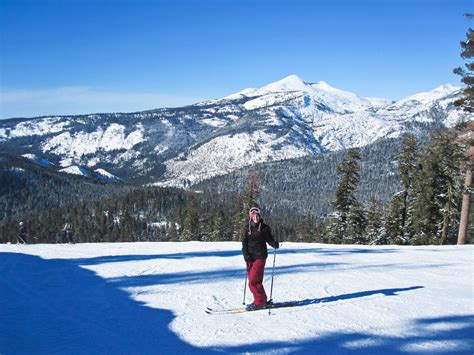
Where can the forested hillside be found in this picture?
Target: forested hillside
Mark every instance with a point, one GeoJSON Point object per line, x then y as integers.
{"type": "Point", "coordinates": [402, 193]}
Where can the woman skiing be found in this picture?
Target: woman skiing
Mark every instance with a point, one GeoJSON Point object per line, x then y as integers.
{"type": "Point", "coordinates": [254, 249]}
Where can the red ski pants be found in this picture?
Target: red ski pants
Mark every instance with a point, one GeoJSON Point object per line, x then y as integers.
{"type": "Point", "coordinates": [255, 271]}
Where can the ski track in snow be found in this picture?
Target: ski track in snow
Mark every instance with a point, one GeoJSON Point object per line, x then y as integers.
{"type": "Point", "coordinates": [150, 298]}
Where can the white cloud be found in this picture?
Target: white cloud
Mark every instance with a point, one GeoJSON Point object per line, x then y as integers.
{"type": "Point", "coordinates": [82, 100]}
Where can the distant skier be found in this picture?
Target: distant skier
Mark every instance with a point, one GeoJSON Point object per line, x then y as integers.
{"type": "Point", "coordinates": [254, 249]}
{"type": "Point", "coordinates": [68, 233]}
{"type": "Point", "coordinates": [22, 233]}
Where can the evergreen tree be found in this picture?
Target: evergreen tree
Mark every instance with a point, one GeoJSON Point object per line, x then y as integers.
{"type": "Point", "coordinates": [305, 229]}
{"type": "Point", "coordinates": [451, 154]}
{"type": "Point", "coordinates": [190, 223]}
{"type": "Point", "coordinates": [205, 226]}
{"type": "Point", "coordinates": [247, 198]}
{"type": "Point", "coordinates": [332, 228]}
{"type": "Point", "coordinates": [374, 230]}
{"type": "Point", "coordinates": [349, 173]}
{"type": "Point", "coordinates": [407, 166]}
{"type": "Point", "coordinates": [438, 189]}
{"type": "Point", "coordinates": [218, 232]}
{"type": "Point", "coordinates": [467, 75]}
{"type": "Point", "coordinates": [393, 221]}
{"type": "Point", "coordinates": [356, 225]}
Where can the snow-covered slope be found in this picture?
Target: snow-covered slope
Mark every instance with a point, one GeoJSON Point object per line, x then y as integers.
{"type": "Point", "coordinates": [146, 298]}
{"type": "Point", "coordinates": [292, 118]}
{"type": "Point", "coordinates": [106, 175]}
{"type": "Point", "coordinates": [99, 174]}
{"type": "Point", "coordinates": [282, 120]}
{"type": "Point", "coordinates": [39, 161]}
{"type": "Point", "coordinates": [75, 170]}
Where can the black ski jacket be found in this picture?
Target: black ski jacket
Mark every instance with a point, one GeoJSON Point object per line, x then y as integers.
{"type": "Point", "coordinates": [254, 245]}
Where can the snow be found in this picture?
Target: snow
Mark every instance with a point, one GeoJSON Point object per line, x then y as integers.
{"type": "Point", "coordinates": [285, 119]}
{"type": "Point", "coordinates": [150, 298]}
{"type": "Point", "coordinates": [84, 143]}
{"type": "Point", "coordinates": [106, 174]}
{"type": "Point", "coordinates": [226, 153]}
{"type": "Point", "coordinates": [34, 158]}
{"type": "Point", "coordinates": [39, 127]}
{"type": "Point", "coordinates": [433, 95]}
{"type": "Point", "coordinates": [75, 170]}
{"type": "Point", "coordinates": [214, 122]}
{"type": "Point", "coordinates": [160, 149]}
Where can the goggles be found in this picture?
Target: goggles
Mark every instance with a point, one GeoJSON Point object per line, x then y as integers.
{"type": "Point", "coordinates": [254, 210]}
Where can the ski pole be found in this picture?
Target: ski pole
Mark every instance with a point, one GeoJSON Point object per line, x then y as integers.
{"type": "Point", "coordinates": [273, 273]}
{"type": "Point", "coordinates": [245, 284]}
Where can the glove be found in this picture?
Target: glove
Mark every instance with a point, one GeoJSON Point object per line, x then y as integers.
{"type": "Point", "coordinates": [248, 258]}
{"type": "Point", "coordinates": [276, 245]}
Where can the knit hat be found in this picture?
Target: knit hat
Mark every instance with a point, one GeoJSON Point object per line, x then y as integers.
{"type": "Point", "coordinates": [254, 210]}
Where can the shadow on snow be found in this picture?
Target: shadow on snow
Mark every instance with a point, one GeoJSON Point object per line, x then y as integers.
{"type": "Point", "coordinates": [216, 276]}
{"type": "Point", "coordinates": [227, 253]}
{"type": "Point", "coordinates": [438, 335]}
{"type": "Point", "coordinates": [54, 306]}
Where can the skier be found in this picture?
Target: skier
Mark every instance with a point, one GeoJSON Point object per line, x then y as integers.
{"type": "Point", "coordinates": [68, 233]}
{"type": "Point", "coordinates": [254, 249]}
{"type": "Point", "coordinates": [22, 233]}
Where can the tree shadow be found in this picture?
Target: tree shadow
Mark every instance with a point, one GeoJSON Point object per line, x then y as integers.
{"type": "Point", "coordinates": [228, 253]}
{"type": "Point", "coordinates": [437, 335]}
{"type": "Point", "coordinates": [53, 306]}
{"type": "Point", "coordinates": [217, 275]}
{"type": "Point", "coordinates": [208, 276]}
{"type": "Point", "coordinates": [346, 296]}
{"type": "Point", "coordinates": [177, 256]}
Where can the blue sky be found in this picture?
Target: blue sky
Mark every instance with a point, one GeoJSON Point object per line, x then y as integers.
{"type": "Point", "coordinates": [84, 56]}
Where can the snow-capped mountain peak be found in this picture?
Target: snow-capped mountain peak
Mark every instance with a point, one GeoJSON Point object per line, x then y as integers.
{"type": "Point", "coordinates": [292, 86]}
{"type": "Point", "coordinates": [282, 120]}
{"type": "Point", "coordinates": [289, 83]}
{"type": "Point", "coordinates": [323, 86]}
{"type": "Point", "coordinates": [433, 95]}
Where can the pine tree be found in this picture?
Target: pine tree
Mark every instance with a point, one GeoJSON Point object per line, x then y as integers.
{"type": "Point", "coordinates": [345, 200]}
{"type": "Point", "coordinates": [356, 225]}
{"type": "Point", "coordinates": [204, 229]}
{"type": "Point", "coordinates": [451, 154]}
{"type": "Point", "coordinates": [190, 223]}
{"type": "Point", "coordinates": [332, 228]}
{"type": "Point", "coordinates": [437, 190]}
{"type": "Point", "coordinates": [467, 75]}
{"type": "Point", "coordinates": [374, 230]}
{"type": "Point", "coordinates": [393, 220]}
{"type": "Point", "coordinates": [305, 229]}
{"type": "Point", "coordinates": [408, 163]}
{"type": "Point", "coordinates": [247, 199]}
{"type": "Point", "coordinates": [218, 224]}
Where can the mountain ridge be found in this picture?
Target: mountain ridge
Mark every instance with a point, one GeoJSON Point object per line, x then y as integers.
{"type": "Point", "coordinates": [289, 118]}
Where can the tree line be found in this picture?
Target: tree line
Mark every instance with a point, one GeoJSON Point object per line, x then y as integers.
{"type": "Point", "coordinates": [425, 210]}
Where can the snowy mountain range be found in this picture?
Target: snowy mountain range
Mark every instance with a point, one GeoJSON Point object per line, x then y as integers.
{"type": "Point", "coordinates": [286, 119]}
